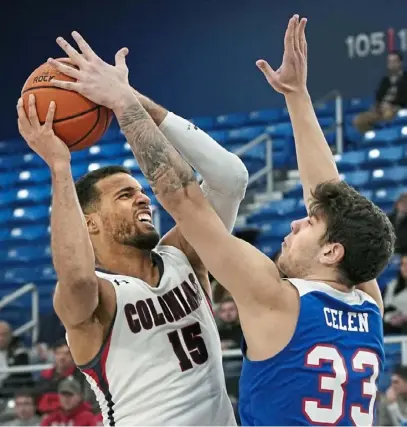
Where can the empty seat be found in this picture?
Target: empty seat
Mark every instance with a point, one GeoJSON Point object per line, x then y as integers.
{"type": "Point", "coordinates": [350, 160]}
{"type": "Point", "coordinates": [34, 176]}
{"type": "Point", "coordinates": [37, 194]}
{"type": "Point", "coordinates": [401, 117]}
{"type": "Point", "coordinates": [389, 176]}
{"type": "Point", "coordinates": [27, 232]}
{"type": "Point", "coordinates": [25, 214]}
{"type": "Point", "coordinates": [265, 116]}
{"type": "Point", "coordinates": [6, 215]}
{"type": "Point", "coordinates": [269, 246]}
{"type": "Point", "coordinates": [280, 130]}
{"type": "Point", "coordinates": [8, 198]}
{"type": "Point", "coordinates": [219, 135]}
{"type": "Point", "coordinates": [357, 105]}
{"type": "Point", "coordinates": [366, 193]}
{"type": "Point", "coordinates": [204, 123]}
{"type": "Point", "coordinates": [385, 156]}
{"type": "Point", "coordinates": [8, 179]}
{"type": "Point", "coordinates": [32, 252]}
{"type": "Point", "coordinates": [324, 109]}
{"type": "Point", "coordinates": [382, 136]}
{"type": "Point", "coordinates": [110, 151]}
{"type": "Point", "coordinates": [274, 209]}
{"type": "Point", "coordinates": [277, 229]}
{"type": "Point", "coordinates": [231, 120]}
{"type": "Point", "coordinates": [387, 195]}
{"type": "Point", "coordinates": [357, 179]}
{"type": "Point", "coordinates": [244, 134]}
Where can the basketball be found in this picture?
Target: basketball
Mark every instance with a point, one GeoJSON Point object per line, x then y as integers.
{"type": "Point", "coordinates": [78, 121]}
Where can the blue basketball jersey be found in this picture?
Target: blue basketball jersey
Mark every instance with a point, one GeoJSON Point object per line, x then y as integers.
{"type": "Point", "coordinates": [327, 374]}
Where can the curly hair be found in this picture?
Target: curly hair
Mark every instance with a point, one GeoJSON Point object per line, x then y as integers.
{"type": "Point", "coordinates": [364, 230]}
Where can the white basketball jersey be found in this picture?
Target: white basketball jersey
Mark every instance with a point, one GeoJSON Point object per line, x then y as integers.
{"type": "Point", "coordinates": [162, 361]}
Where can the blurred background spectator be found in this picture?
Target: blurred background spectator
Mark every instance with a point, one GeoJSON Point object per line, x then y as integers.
{"type": "Point", "coordinates": [391, 95]}
{"type": "Point", "coordinates": [12, 353]}
{"type": "Point", "coordinates": [393, 404]}
{"type": "Point", "coordinates": [73, 410]}
{"type": "Point", "coordinates": [399, 220]}
{"type": "Point", "coordinates": [230, 331]}
{"type": "Point", "coordinates": [25, 413]}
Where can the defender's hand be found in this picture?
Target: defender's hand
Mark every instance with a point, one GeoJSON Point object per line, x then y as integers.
{"type": "Point", "coordinates": [96, 80]}
{"type": "Point", "coordinates": [41, 138]}
{"type": "Point", "coordinates": [292, 74]}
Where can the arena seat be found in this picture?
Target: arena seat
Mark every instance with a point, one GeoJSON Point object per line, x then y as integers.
{"type": "Point", "coordinates": [8, 197]}
{"type": "Point", "coordinates": [280, 130]}
{"type": "Point", "coordinates": [357, 179]}
{"type": "Point", "coordinates": [34, 176]}
{"type": "Point", "coordinates": [35, 252]}
{"type": "Point", "coordinates": [233, 120]}
{"type": "Point", "coordinates": [264, 117]}
{"type": "Point", "coordinates": [382, 137]}
{"type": "Point", "coordinates": [385, 156]}
{"type": "Point", "coordinates": [244, 135]}
{"type": "Point", "coordinates": [357, 105]}
{"type": "Point", "coordinates": [350, 160]}
{"type": "Point", "coordinates": [27, 233]}
{"type": "Point", "coordinates": [111, 151]}
{"type": "Point", "coordinates": [387, 195]}
{"type": "Point", "coordinates": [204, 123]}
{"type": "Point", "coordinates": [33, 194]}
{"type": "Point", "coordinates": [8, 179]}
{"type": "Point", "coordinates": [389, 176]}
{"type": "Point", "coordinates": [28, 214]}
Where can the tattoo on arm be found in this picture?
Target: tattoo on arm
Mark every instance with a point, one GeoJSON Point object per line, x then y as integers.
{"type": "Point", "coordinates": [160, 162]}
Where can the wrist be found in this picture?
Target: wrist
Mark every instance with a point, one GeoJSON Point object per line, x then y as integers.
{"type": "Point", "coordinates": [127, 98]}
{"type": "Point", "coordinates": [301, 94]}
{"type": "Point", "coordinates": [60, 167]}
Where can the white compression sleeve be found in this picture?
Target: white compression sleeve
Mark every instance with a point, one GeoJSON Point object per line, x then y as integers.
{"type": "Point", "coordinates": [224, 175]}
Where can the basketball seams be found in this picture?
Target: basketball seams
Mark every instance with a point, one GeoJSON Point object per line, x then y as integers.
{"type": "Point", "coordinates": [90, 130]}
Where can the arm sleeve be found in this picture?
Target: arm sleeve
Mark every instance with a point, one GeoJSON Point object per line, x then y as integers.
{"type": "Point", "coordinates": [224, 175]}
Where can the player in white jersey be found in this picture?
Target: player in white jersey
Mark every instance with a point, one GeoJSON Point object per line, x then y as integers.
{"type": "Point", "coordinates": [343, 242]}
{"type": "Point", "coordinates": [136, 308]}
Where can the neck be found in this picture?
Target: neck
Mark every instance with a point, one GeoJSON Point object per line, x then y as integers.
{"type": "Point", "coordinates": [326, 278]}
{"type": "Point", "coordinates": [128, 261]}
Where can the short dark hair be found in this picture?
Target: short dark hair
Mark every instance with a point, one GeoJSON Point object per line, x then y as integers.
{"type": "Point", "coordinates": [88, 194]}
{"type": "Point", "coordinates": [25, 392]}
{"type": "Point", "coordinates": [58, 344]}
{"type": "Point", "coordinates": [397, 53]}
{"type": "Point", "coordinates": [359, 226]}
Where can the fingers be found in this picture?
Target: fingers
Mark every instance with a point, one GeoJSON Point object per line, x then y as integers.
{"type": "Point", "coordinates": [74, 86]}
{"type": "Point", "coordinates": [23, 123]}
{"type": "Point", "coordinates": [303, 40]}
{"type": "Point", "coordinates": [120, 57]}
{"type": "Point", "coordinates": [50, 115]}
{"type": "Point", "coordinates": [76, 57]}
{"type": "Point", "coordinates": [87, 51]}
{"type": "Point", "coordinates": [64, 68]}
{"type": "Point", "coordinates": [289, 35]}
{"type": "Point", "coordinates": [32, 112]}
{"type": "Point", "coordinates": [296, 33]}
{"type": "Point", "coordinates": [265, 68]}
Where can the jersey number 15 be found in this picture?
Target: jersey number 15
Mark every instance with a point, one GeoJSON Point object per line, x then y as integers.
{"type": "Point", "coordinates": [195, 344]}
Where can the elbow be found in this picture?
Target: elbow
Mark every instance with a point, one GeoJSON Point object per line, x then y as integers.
{"type": "Point", "coordinates": [236, 177]}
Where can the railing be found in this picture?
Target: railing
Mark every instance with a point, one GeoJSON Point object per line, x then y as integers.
{"type": "Point", "coordinates": [227, 354]}
{"type": "Point", "coordinates": [268, 168]}
{"type": "Point", "coordinates": [31, 325]}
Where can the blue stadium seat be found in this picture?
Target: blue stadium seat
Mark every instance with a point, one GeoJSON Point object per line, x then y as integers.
{"type": "Point", "coordinates": [325, 109]}
{"type": "Point", "coordinates": [13, 146]}
{"type": "Point", "coordinates": [26, 214]}
{"type": "Point", "coordinates": [280, 130]}
{"type": "Point", "coordinates": [114, 133]}
{"type": "Point", "coordinates": [274, 209]}
{"type": "Point", "coordinates": [382, 137]}
{"type": "Point", "coordinates": [37, 194]}
{"type": "Point", "coordinates": [277, 229]}
{"type": "Point", "coordinates": [204, 123]}
{"type": "Point", "coordinates": [326, 122]}
{"type": "Point", "coordinates": [112, 151]}
{"type": "Point", "coordinates": [80, 169]}
{"type": "Point", "coordinates": [387, 195]}
{"type": "Point", "coordinates": [358, 179]}
{"type": "Point", "coordinates": [219, 135]}
{"type": "Point", "coordinates": [350, 160]}
{"type": "Point", "coordinates": [366, 193]}
{"type": "Point", "coordinates": [11, 162]}
{"type": "Point", "coordinates": [34, 176]}
{"type": "Point", "coordinates": [389, 176]}
{"type": "Point", "coordinates": [357, 105]}
{"type": "Point", "coordinates": [233, 120]}
{"type": "Point", "coordinates": [401, 118]}
{"type": "Point", "coordinates": [8, 198]}
{"type": "Point", "coordinates": [6, 215]}
{"type": "Point", "coordinates": [385, 156]}
{"type": "Point", "coordinates": [131, 163]}
{"type": "Point", "coordinates": [8, 179]}
{"type": "Point", "coordinates": [264, 116]}
{"type": "Point", "coordinates": [32, 161]}
{"type": "Point", "coordinates": [244, 134]}
{"type": "Point", "coordinates": [352, 135]}
{"type": "Point", "coordinates": [269, 246]}
{"type": "Point", "coordinates": [27, 232]}
{"type": "Point", "coordinates": [26, 253]}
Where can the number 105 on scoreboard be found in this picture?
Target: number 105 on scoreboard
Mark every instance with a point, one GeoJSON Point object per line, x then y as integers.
{"type": "Point", "coordinates": [376, 43]}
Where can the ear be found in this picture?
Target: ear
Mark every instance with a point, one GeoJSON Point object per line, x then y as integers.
{"type": "Point", "coordinates": [92, 224]}
{"type": "Point", "coordinates": [332, 254]}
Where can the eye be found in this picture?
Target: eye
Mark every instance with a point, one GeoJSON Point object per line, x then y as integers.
{"type": "Point", "coordinates": [124, 196]}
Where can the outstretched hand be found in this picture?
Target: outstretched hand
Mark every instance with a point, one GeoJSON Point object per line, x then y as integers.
{"type": "Point", "coordinates": [96, 80]}
{"type": "Point", "coordinates": [292, 74]}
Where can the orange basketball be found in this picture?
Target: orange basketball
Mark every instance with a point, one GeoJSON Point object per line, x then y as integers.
{"type": "Point", "coordinates": [79, 122]}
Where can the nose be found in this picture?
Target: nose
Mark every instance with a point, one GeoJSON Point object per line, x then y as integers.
{"type": "Point", "coordinates": [295, 226]}
{"type": "Point", "coordinates": [142, 199]}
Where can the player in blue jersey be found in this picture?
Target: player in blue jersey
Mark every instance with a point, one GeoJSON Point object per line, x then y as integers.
{"type": "Point", "coordinates": [313, 344]}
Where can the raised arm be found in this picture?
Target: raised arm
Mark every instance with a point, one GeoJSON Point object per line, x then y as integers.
{"type": "Point", "coordinates": [76, 296]}
{"type": "Point", "coordinates": [315, 160]}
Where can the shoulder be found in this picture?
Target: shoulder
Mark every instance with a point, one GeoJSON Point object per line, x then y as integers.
{"type": "Point", "coordinates": [168, 252]}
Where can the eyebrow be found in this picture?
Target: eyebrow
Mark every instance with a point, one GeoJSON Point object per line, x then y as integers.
{"type": "Point", "coordinates": [130, 189]}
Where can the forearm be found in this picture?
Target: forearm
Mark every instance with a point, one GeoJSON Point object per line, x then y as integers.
{"type": "Point", "coordinates": [72, 251]}
{"type": "Point", "coordinates": [167, 172]}
{"type": "Point", "coordinates": [315, 160]}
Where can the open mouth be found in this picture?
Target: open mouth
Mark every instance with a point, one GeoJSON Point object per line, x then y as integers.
{"type": "Point", "coordinates": [145, 217]}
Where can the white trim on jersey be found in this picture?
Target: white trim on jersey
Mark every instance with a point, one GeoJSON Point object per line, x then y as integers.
{"type": "Point", "coordinates": [354, 297]}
